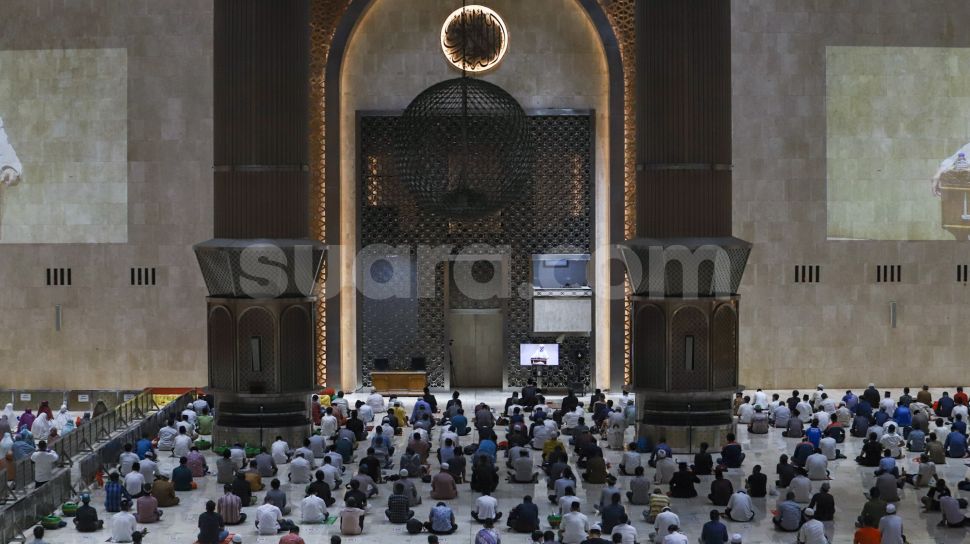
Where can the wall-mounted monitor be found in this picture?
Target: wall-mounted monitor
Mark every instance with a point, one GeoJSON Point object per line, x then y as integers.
{"type": "Point", "coordinates": [558, 271]}
{"type": "Point", "coordinates": [539, 354]}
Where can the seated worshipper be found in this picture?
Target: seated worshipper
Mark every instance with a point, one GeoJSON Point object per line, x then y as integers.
{"type": "Point", "coordinates": [612, 514]}
{"type": "Point", "coordinates": [812, 530]}
{"type": "Point", "coordinates": [523, 470]}
{"type": "Point", "coordinates": [114, 493]}
{"type": "Point", "coordinates": [955, 445]}
{"type": "Point", "coordinates": [759, 422]}
{"type": "Point", "coordinates": [756, 483]}
{"type": "Point", "coordinates": [745, 411]}
{"type": "Point", "coordinates": [739, 507]}
{"type": "Point", "coordinates": [123, 524]}
{"type": "Point", "coordinates": [300, 470]}
{"type": "Point", "coordinates": [935, 449]}
{"type": "Point", "coordinates": [658, 501]}
{"type": "Point", "coordinates": [313, 509]}
{"type": "Point", "coordinates": [238, 455]}
{"type": "Point", "coordinates": [574, 525]}
{"type": "Point", "coordinates": [614, 438]}
{"type": "Point", "coordinates": [278, 498]}
{"type": "Point", "coordinates": [596, 472]}
{"type": "Point", "coordinates": [952, 516]}
{"type": "Point", "coordinates": [164, 492]}
{"type": "Point", "coordinates": [229, 506]}
{"type": "Point", "coordinates": [640, 486]}
{"type": "Point", "coordinates": [443, 485]}
{"type": "Point", "coordinates": [441, 520]}
{"type": "Point", "coordinates": [280, 451]}
{"type": "Point", "coordinates": [892, 441]}
{"type": "Point", "coordinates": [127, 459]}
{"type": "Point", "coordinates": [664, 520]}
{"type": "Point", "coordinates": [355, 494]}
{"type": "Point", "coordinates": [204, 422]}
{"type": "Point", "coordinates": [931, 501]}
{"type": "Point", "coordinates": [146, 507]}
{"type": "Point", "coordinates": [871, 452]}
{"type": "Point", "coordinates": [714, 532]}
{"type": "Point", "coordinates": [134, 482]}
{"type": "Point", "coordinates": [661, 446]}
{"type": "Point", "coordinates": [457, 467]}
{"type": "Point", "coordinates": [631, 460]}
{"type": "Point", "coordinates": [241, 488]}
{"type": "Point", "coordinates": [888, 485]}
{"type": "Point", "coordinates": [816, 466]}
{"type": "Point", "coordinates": [183, 443]}
{"type": "Point", "coordinates": [264, 463]}
{"type": "Point", "coordinates": [682, 483]}
{"type": "Point", "coordinates": [211, 527]}
{"type": "Point", "coordinates": [269, 520]}
{"type": "Point", "coordinates": [196, 462]}
{"type": "Point", "coordinates": [410, 490]}
{"type": "Point", "coordinates": [225, 469]}
{"type": "Point", "coordinates": [789, 517]}
{"type": "Point", "coordinates": [398, 506]}
{"type": "Point", "coordinates": [524, 518]}
{"type": "Point", "coordinates": [873, 510]}
{"type": "Point", "coordinates": [320, 487]}
{"type": "Point", "coordinates": [666, 467]}
{"type": "Point", "coordinates": [731, 454]}
{"type": "Point", "coordinates": [352, 519]}
{"type": "Point", "coordinates": [486, 509]}
{"type": "Point", "coordinates": [623, 532]}
{"type": "Point", "coordinates": [916, 441]}
{"type": "Point", "coordinates": [829, 449]}
{"type": "Point", "coordinates": [794, 429]}
{"type": "Point", "coordinates": [703, 462]}
{"type": "Point", "coordinates": [891, 526]}
{"type": "Point", "coordinates": [721, 489]}
{"type": "Point", "coordinates": [607, 492]}
{"type": "Point", "coordinates": [823, 504]}
{"type": "Point", "coordinates": [375, 401]}
{"type": "Point", "coordinates": [332, 470]}
{"type": "Point", "coordinates": [925, 472]}
{"type": "Point", "coordinates": [86, 518]}
{"type": "Point", "coordinates": [801, 486]}
{"type": "Point", "coordinates": [565, 480]}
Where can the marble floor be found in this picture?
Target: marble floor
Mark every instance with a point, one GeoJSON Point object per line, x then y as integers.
{"type": "Point", "coordinates": [849, 481]}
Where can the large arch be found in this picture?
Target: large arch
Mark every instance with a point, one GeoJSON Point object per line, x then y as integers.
{"type": "Point", "coordinates": [340, 317]}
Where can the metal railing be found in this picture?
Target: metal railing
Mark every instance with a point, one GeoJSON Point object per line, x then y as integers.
{"type": "Point", "coordinates": [101, 439]}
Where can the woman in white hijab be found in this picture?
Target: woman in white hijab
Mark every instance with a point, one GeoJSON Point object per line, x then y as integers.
{"type": "Point", "coordinates": [5, 445]}
{"type": "Point", "coordinates": [8, 411]}
{"type": "Point", "coordinates": [41, 429]}
{"type": "Point", "coordinates": [61, 419]}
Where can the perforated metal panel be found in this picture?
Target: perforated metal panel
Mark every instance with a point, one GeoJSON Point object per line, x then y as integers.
{"type": "Point", "coordinates": [725, 356]}
{"type": "Point", "coordinates": [554, 217]}
{"type": "Point", "coordinates": [257, 322]}
{"type": "Point", "coordinates": [650, 338]}
{"type": "Point", "coordinates": [296, 355]}
{"type": "Point", "coordinates": [688, 321]}
{"type": "Point", "coordinates": [220, 348]}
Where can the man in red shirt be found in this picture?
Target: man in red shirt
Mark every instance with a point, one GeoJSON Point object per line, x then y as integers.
{"type": "Point", "coordinates": [960, 397]}
{"type": "Point", "coordinates": [293, 537]}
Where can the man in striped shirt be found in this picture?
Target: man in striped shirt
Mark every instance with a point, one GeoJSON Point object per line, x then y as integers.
{"type": "Point", "coordinates": [229, 507]}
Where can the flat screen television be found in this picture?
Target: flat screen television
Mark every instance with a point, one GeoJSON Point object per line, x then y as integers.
{"type": "Point", "coordinates": [539, 354]}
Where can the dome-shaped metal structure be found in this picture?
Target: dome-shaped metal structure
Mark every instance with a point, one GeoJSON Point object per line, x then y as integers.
{"type": "Point", "coordinates": [464, 149]}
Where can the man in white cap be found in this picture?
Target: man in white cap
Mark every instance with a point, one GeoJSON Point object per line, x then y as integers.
{"type": "Point", "coordinates": [812, 531]}
{"type": "Point", "coordinates": [664, 519]}
{"type": "Point", "coordinates": [891, 527]}
{"type": "Point", "coordinates": [817, 395]}
{"type": "Point", "coordinates": [666, 467]}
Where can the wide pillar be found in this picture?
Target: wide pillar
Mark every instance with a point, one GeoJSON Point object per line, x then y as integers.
{"type": "Point", "coordinates": [684, 266]}
{"type": "Point", "coordinates": [260, 266]}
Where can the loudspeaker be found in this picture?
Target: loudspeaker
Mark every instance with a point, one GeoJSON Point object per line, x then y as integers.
{"type": "Point", "coordinates": [419, 363]}
{"type": "Point", "coordinates": [381, 364]}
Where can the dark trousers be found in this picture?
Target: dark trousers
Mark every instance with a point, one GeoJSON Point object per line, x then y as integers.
{"type": "Point", "coordinates": [454, 527]}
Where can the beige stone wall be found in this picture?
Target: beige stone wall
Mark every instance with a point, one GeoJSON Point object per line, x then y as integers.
{"type": "Point", "coordinates": [115, 335]}
{"type": "Point", "coordinates": [65, 114]}
{"type": "Point", "coordinates": [555, 60]}
{"type": "Point", "coordinates": [838, 331]}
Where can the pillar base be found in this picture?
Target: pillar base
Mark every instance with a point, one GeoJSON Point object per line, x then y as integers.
{"type": "Point", "coordinates": [684, 440]}
{"type": "Point", "coordinates": [294, 436]}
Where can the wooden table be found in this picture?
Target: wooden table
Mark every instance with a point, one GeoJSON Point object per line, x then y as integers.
{"type": "Point", "coordinates": [399, 382]}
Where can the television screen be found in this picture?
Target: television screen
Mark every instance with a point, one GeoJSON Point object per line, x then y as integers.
{"type": "Point", "coordinates": [539, 354]}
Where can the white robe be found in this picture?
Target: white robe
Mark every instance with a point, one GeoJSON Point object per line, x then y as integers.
{"type": "Point", "coordinates": [61, 418]}
{"type": "Point", "coordinates": [41, 429]}
{"type": "Point", "coordinates": [8, 157]}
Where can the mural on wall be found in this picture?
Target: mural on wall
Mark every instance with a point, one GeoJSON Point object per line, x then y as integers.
{"type": "Point", "coordinates": [898, 120]}
{"type": "Point", "coordinates": [64, 136]}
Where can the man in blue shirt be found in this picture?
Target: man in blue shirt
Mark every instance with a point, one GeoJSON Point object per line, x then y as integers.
{"type": "Point", "coordinates": [850, 399]}
{"type": "Point", "coordinates": [959, 425]}
{"type": "Point", "coordinates": [460, 423]}
{"type": "Point", "coordinates": [420, 408]}
{"type": "Point", "coordinates": [114, 492]}
{"type": "Point", "coordinates": [731, 454]}
{"type": "Point", "coordinates": [903, 417]}
{"type": "Point", "coordinates": [441, 520]}
{"type": "Point", "coordinates": [814, 434]}
{"type": "Point", "coordinates": [955, 444]}
{"type": "Point", "coordinates": [789, 516]}
{"type": "Point", "coordinates": [714, 532]}
{"type": "Point", "coordinates": [143, 446]}
{"type": "Point", "coordinates": [944, 406]}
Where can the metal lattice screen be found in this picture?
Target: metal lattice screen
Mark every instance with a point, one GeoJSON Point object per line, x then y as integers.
{"type": "Point", "coordinates": [554, 216]}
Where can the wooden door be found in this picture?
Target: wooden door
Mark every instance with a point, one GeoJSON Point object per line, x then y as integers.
{"type": "Point", "coordinates": [477, 348]}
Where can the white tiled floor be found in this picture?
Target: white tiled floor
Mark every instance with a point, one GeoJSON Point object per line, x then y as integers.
{"type": "Point", "coordinates": [849, 481]}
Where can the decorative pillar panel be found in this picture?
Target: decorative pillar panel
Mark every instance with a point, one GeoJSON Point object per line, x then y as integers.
{"type": "Point", "coordinates": [260, 269]}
